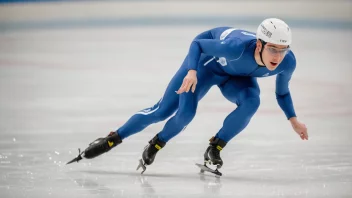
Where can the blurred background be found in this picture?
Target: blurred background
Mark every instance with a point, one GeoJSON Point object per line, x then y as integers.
{"type": "Point", "coordinates": [121, 13]}
{"type": "Point", "coordinates": [71, 71]}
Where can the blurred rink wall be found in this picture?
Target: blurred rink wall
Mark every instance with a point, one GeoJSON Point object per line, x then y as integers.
{"type": "Point", "coordinates": [15, 14]}
{"type": "Point", "coordinates": [309, 19]}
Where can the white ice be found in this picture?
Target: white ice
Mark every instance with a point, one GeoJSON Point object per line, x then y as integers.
{"type": "Point", "coordinates": [62, 89]}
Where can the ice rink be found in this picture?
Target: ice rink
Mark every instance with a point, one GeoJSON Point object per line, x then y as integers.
{"type": "Point", "coordinates": [60, 89]}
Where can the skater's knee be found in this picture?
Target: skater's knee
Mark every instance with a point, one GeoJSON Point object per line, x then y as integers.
{"type": "Point", "coordinates": [250, 100]}
{"type": "Point", "coordinates": [252, 104]}
{"type": "Point", "coordinates": [185, 117]}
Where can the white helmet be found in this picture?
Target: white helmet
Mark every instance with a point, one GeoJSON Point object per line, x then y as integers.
{"type": "Point", "coordinates": [274, 31]}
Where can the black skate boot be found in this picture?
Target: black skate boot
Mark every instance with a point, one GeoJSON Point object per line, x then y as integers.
{"type": "Point", "coordinates": [212, 156]}
{"type": "Point", "coordinates": [98, 147]}
{"type": "Point", "coordinates": [149, 152]}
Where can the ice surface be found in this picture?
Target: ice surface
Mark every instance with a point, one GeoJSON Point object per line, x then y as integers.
{"type": "Point", "coordinates": [62, 89]}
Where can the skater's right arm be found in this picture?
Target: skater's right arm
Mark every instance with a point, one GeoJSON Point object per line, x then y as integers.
{"type": "Point", "coordinates": [189, 82]}
{"type": "Point", "coordinates": [204, 43]}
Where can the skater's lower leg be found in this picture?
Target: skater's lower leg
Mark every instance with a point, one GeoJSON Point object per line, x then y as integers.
{"type": "Point", "coordinates": [142, 119]}
{"type": "Point", "coordinates": [187, 110]}
{"type": "Point", "coordinates": [238, 119]}
{"type": "Point", "coordinates": [234, 123]}
{"type": "Point", "coordinates": [172, 127]}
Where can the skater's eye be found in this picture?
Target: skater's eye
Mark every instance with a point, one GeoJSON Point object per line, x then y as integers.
{"type": "Point", "coordinates": [275, 51]}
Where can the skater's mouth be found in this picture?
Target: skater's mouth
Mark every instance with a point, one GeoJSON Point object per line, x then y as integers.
{"type": "Point", "coordinates": [273, 63]}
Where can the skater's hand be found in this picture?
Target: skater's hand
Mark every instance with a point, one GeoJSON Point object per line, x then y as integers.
{"type": "Point", "coordinates": [300, 128]}
{"type": "Point", "coordinates": [189, 81]}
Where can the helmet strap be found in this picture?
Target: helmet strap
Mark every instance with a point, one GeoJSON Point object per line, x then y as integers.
{"type": "Point", "coordinates": [261, 51]}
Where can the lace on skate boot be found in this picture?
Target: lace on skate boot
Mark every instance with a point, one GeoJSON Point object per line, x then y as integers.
{"type": "Point", "coordinates": [149, 153]}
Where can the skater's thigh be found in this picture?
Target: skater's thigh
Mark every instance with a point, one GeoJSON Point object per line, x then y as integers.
{"type": "Point", "coordinates": [170, 100]}
{"type": "Point", "coordinates": [239, 88]}
{"type": "Point", "coordinates": [205, 79]}
{"type": "Point", "coordinates": [170, 97]}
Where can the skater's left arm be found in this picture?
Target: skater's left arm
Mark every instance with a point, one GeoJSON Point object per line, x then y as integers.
{"type": "Point", "coordinates": [284, 99]}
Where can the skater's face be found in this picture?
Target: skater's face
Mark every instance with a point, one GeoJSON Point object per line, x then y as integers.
{"type": "Point", "coordinates": [273, 54]}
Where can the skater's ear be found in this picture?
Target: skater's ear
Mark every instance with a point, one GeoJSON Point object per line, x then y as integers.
{"type": "Point", "coordinates": [259, 45]}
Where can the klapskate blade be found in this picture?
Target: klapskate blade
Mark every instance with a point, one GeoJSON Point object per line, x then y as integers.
{"type": "Point", "coordinates": [141, 165]}
{"type": "Point", "coordinates": [76, 159]}
{"type": "Point", "coordinates": [205, 168]}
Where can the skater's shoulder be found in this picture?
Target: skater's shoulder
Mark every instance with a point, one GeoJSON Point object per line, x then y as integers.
{"type": "Point", "coordinates": [289, 61]}
{"type": "Point", "coordinates": [220, 29]}
{"type": "Point", "coordinates": [243, 37]}
{"type": "Point", "coordinates": [291, 58]}
{"type": "Point", "coordinates": [227, 32]}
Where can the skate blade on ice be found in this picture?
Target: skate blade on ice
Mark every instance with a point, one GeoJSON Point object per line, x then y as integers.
{"type": "Point", "coordinates": [141, 165]}
{"type": "Point", "coordinates": [76, 159]}
{"type": "Point", "coordinates": [204, 168]}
